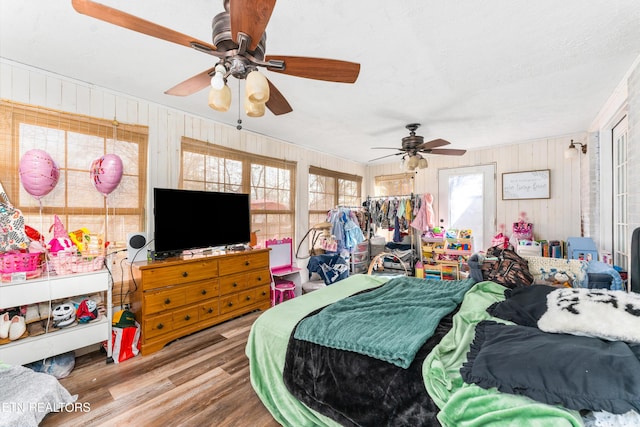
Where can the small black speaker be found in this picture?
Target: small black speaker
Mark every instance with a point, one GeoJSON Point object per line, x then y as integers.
{"type": "Point", "coordinates": [136, 250]}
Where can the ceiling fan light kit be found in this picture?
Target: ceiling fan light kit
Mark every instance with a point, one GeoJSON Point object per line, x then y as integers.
{"type": "Point", "coordinates": [257, 88]}
{"type": "Point", "coordinates": [254, 109]}
{"type": "Point", "coordinates": [220, 100]}
{"type": "Point", "coordinates": [239, 43]}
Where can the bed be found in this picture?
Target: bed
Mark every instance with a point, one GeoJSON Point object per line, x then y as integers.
{"type": "Point", "coordinates": [459, 367]}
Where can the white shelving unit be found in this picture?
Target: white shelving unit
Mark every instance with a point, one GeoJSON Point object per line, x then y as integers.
{"type": "Point", "coordinates": [30, 349]}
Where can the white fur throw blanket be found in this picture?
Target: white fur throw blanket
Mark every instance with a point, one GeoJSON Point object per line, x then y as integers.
{"type": "Point", "coordinates": [600, 313]}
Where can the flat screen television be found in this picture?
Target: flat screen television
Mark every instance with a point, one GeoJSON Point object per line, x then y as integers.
{"type": "Point", "coordinates": [190, 219]}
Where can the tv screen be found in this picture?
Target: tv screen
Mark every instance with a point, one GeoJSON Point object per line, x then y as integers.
{"type": "Point", "coordinates": [190, 219]}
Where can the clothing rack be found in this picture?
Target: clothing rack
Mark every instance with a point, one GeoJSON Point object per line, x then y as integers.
{"type": "Point", "coordinates": [403, 196]}
{"type": "Point", "coordinates": [416, 200]}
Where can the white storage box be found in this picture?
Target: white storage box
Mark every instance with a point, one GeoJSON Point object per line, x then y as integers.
{"type": "Point", "coordinates": [531, 248]}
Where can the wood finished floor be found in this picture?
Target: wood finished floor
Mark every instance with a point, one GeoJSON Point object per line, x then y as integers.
{"type": "Point", "coordinates": [199, 380]}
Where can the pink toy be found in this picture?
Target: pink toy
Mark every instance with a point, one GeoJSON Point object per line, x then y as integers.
{"type": "Point", "coordinates": [61, 244]}
{"type": "Point", "coordinates": [38, 172]}
{"type": "Point", "coordinates": [106, 173]}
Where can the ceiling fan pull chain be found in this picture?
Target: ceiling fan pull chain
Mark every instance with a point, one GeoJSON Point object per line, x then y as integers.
{"type": "Point", "coordinates": [239, 126]}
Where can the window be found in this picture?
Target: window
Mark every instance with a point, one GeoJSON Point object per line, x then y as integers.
{"type": "Point", "coordinates": [74, 142]}
{"type": "Point", "coordinates": [270, 183]}
{"type": "Point", "coordinates": [328, 189]}
{"type": "Point", "coordinates": [394, 185]}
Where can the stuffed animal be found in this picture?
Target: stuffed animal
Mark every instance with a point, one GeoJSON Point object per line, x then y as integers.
{"type": "Point", "coordinates": [87, 311]}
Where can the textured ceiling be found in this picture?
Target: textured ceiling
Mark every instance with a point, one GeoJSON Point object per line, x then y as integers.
{"type": "Point", "coordinates": [473, 73]}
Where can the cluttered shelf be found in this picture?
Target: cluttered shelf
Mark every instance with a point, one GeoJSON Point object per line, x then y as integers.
{"type": "Point", "coordinates": [52, 338]}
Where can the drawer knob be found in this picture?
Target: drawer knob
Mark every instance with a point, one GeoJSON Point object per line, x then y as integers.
{"type": "Point", "coordinates": [230, 304]}
{"type": "Point", "coordinates": [235, 284]}
{"type": "Point", "coordinates": [185, 274]}
{"type": "Point", "coordinates": [247, 263]}
{"type": "Point", "coordinates": [264, 293]}
{"type": "Point", "coordinates": [160, 326]}
{"type": "Point", "coordinates": [210, 310]}
{"type": "Point", "coordinates": [167, 301]}
{"type": "Point", "coordinates": [259, 278]}
{"type": "Point", "coordinates": [187, 317]}
{"type": "Point", "coordinates": [204, 292]}
{"type": "Point", "coordinates": [248, 298]}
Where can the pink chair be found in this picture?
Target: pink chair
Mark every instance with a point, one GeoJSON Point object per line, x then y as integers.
{"type": "Point", "coordinates": [282, 290]}
{"type": "Point", "coordinates": [281, 264]}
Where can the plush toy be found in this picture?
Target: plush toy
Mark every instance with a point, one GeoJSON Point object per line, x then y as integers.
{"type": "Point", "coordinates": [60, 241]}
{"type": "Point", "coordinates": [559, 279]}
{"type": "Point", "coordinates": [63, 315]}
{"type": "Point", "coordinates": [78, 237]}
{"type": "Point", "coordinates": [87, 311]}
{"type": "Point", "coordinates": [61, 244]}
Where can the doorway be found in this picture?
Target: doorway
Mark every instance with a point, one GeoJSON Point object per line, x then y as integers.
{"type": "Point", "coordinates": [467, 200]}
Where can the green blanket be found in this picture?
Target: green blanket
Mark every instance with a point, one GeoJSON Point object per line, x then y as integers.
{"type": "Point", "coordinates": [467, 405]}
{"type": "Point", "coordinates": [390, 323]}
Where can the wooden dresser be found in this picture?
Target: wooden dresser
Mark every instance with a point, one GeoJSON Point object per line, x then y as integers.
{"type": "Point", "coordinates": [178, 296]}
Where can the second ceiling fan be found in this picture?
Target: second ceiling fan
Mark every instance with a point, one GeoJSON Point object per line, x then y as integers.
{"type": "Point", "coordinates": [239, 43]}
{"type": "Point", "coordinates": [413, 146]}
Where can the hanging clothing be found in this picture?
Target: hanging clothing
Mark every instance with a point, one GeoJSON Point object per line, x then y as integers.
{"type": "Point", "coordinates": [421, 221]}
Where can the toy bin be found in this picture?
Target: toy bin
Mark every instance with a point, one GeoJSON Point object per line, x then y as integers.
{"type": "Point", "coordinates": [20, 266]}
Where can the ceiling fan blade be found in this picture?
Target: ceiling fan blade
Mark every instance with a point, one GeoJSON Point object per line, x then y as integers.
{"type": "Point", "coordinates": [384, 157]}
{"type": "Point", "coordinates": [251, 18]}
{"type": "Point", "coordinates": [385, 148]}
{"type": "Point", "coordinates": [277, 103]}
{"type": "Point", "coordinates": [192, 85]}
{"type": "Point", "coordinates": [125, 20]}
{"type": "Point", "coordinates": [446, 151]}
{"type": "Point", "coordinates": [331, 70]}
{"type": "Point", "coordinates": [435, 143]}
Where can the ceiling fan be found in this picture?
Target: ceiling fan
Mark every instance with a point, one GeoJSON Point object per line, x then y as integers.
{"type": "Point", "coordinates": [239, 43]}
{"type": "Point", "coordinates": [413, 146]}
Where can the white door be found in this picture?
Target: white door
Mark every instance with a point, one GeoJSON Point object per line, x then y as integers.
{"type": "Point", "coordinates": [467, 200]}
{"type": "Point", "coordinates": [621, 235]}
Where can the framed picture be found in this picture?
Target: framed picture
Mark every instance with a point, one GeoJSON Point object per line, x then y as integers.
{"type": "Point", "coordinates": [525, 185]}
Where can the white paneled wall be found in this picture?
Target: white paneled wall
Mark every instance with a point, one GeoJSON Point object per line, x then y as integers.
{"type": "Point", "coordinates": [166, 127]}
{"type": "Point", "coordinates": [558, 217]}
{"type": "Point", "coordinates": [555, 218]}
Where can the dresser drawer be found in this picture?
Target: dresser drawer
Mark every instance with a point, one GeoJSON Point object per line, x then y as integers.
{"type": "Point", "coordinates": [262, 294]}
{"type": "Point", "coordinates": [157, 325]}
{"type": "Point", "coordinates": [245, 262]}
{"type": "Point", "coordinates": [258, 277]}
{"type": "Point", "coordinates": [202, 290]}
{"type": "Point", "coordinates": [175, 274]}
{"type": "Point", "coordinates": [208, 310]}
{"type": "Point", "coordinates": [233, 283]}
{"type": "Point", "coordinates": [243, 299]}
{"type": "Point", "coordinates": [184, 317]}
{"type": "Point", "coordinates": [166, 299]}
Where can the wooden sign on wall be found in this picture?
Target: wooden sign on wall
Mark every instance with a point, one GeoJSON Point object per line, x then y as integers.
{"type": "Point", "coordinates": [525, 185]}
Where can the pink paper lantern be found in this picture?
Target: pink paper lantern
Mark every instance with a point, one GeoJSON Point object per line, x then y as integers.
{"type": "Point", "coordinates": [106, 173]}
{"type": "Point", "coordinates": [38, 172]}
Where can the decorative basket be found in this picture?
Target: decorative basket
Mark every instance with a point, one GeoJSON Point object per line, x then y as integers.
{"type": "Point", "coordinates": [20, 262]}
{"type": "Point", "coordinates": [68, 263]}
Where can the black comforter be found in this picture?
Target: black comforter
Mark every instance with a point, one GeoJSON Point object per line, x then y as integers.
{"type": "Point", "coordinates": [339, 384]}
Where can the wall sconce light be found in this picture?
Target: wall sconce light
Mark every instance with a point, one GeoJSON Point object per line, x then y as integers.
{"type": "Point", "coordinates": [572, 151]}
